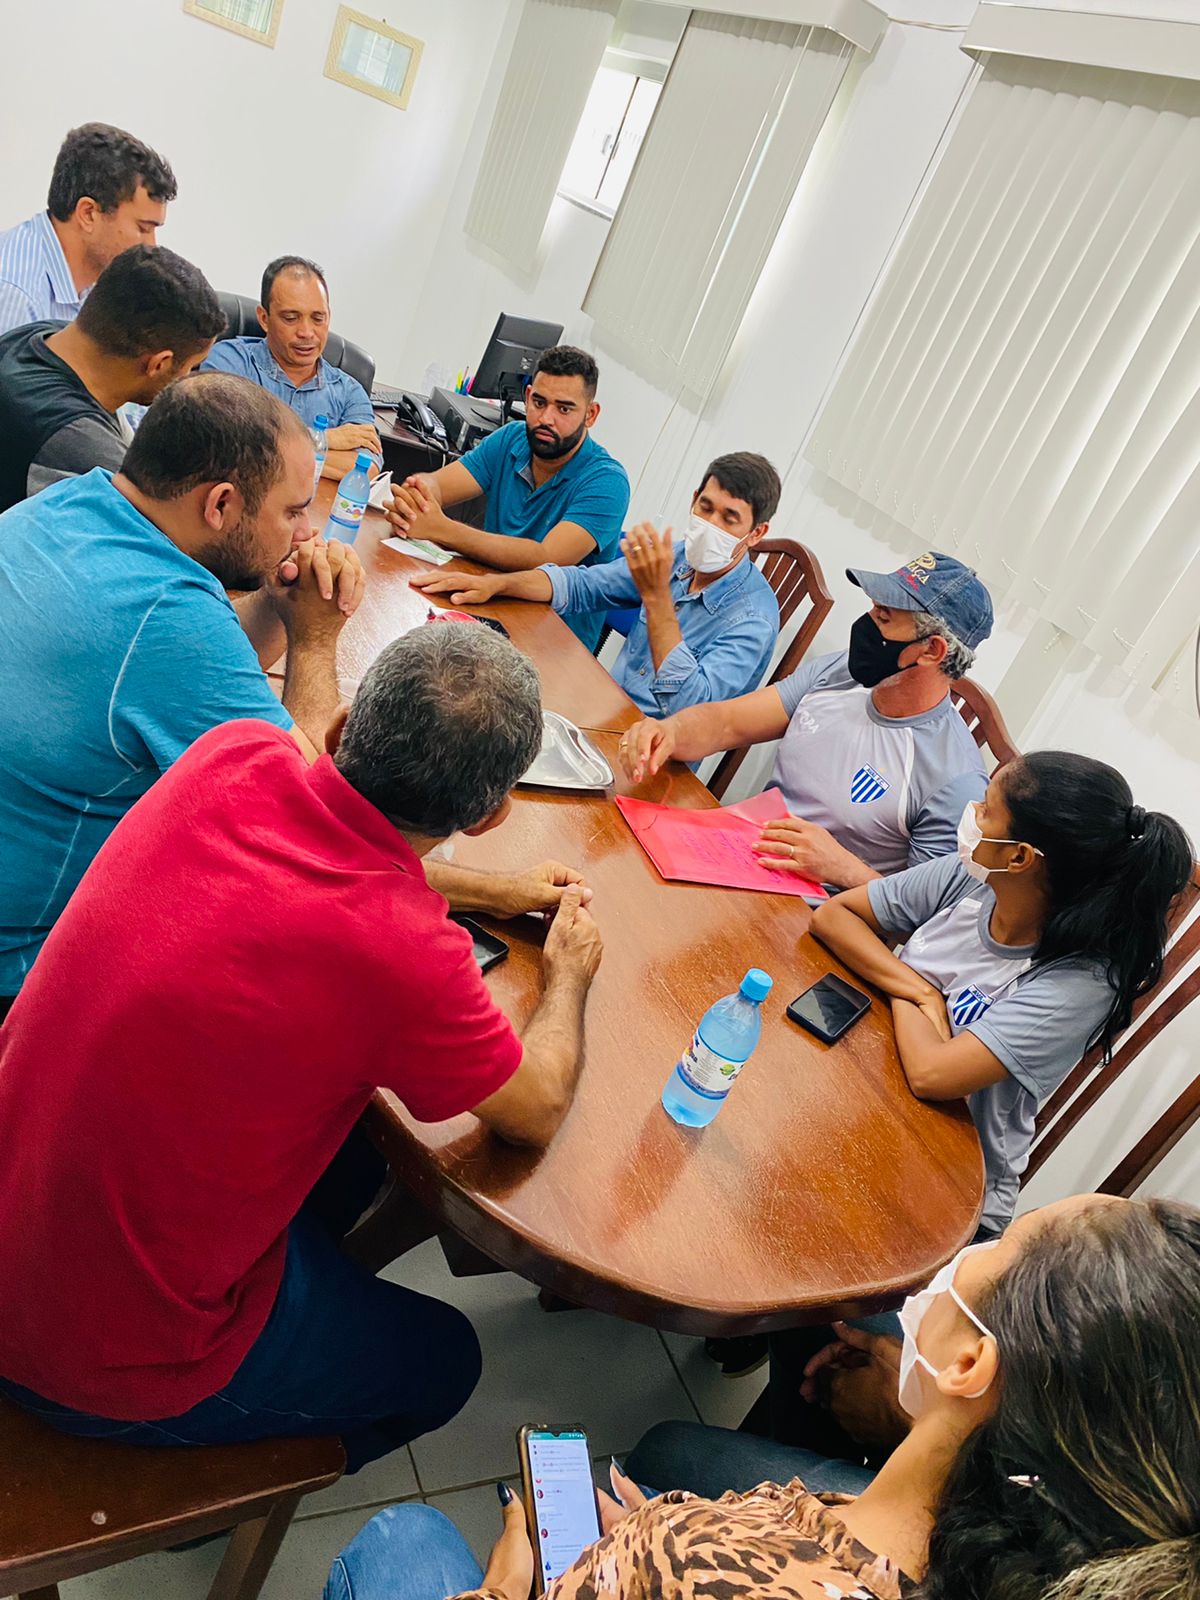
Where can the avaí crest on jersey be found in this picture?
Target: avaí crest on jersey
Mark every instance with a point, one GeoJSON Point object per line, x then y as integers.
{"type": "Point", "coordinates": [968, 1005]}
{"type": "Point", "coordinates": [867, 785]}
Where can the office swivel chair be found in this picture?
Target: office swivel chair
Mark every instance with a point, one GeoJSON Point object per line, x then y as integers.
{"type": "Point", "coordinates": [241, 317]}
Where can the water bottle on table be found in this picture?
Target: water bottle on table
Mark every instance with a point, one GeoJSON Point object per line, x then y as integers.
{"type": "Point", "coordinates": [320, 439]}
{"type": "Point", "coordinates": [720, 1048]}
{"type": "Point", "coordinates": [350, 501]}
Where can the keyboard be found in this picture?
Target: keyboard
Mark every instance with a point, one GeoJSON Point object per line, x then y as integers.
{"type": "Point", "coordinates": [382, 395]}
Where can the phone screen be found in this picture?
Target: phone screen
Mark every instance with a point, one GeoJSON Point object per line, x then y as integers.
{"type": "Point", "coordinates": [562, 1499]}
{"type": "Point", "coordinates": [829, 1007]}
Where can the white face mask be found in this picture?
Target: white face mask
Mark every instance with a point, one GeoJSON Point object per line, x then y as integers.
{"type": "Point", "coordinates": [707, 547]}
{"type": "Point", "coordinates": [970, 837]}
{"type": "Point", "coordinates": [912, 1392]}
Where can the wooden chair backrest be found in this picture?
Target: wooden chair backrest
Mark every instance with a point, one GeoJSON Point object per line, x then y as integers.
{"type": "Point", "coordinates": [982, 717]}
{"type": "Point", "coordinates": [1085, 1083]}
{"type": "Point", "coordinates": [795, 575]}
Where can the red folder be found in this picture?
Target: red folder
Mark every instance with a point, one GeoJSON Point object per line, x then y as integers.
{"type": "Point", "coordinates": [715, 846]}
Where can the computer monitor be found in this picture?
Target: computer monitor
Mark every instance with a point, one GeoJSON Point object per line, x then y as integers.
{"type": "Point", "coordinates": [512, 354]}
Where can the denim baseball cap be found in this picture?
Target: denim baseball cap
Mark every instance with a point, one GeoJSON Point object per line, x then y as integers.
{"type": "Point", "coordinates": [938, 584]}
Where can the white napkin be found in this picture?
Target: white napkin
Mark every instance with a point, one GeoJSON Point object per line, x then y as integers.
{"type": "Point", "coordinates": [380, 491]}
{"type": "Point", "coordinates": [421, 549]}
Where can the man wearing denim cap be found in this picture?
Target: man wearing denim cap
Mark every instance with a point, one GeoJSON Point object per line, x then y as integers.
{"type": "Point", "coordinates": [875, 764]}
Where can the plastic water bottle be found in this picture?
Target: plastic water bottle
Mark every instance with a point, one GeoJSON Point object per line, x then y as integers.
{"type": "Point", "coordinates": [320, 439]}
{"type": "Point", "coordinates": [720, 1048]}
{"type": "Point", "coordinates": [350, 501]}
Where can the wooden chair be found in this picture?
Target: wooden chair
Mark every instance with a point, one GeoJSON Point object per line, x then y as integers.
{"type": "Point", "coordinates": [72, 1506]}
{"type": "Point", "coordinates": [1085, 1083]}
{"type": "Point", "coordinates": [982, 717]}
{"type": "Point", "coordinates": [794, 573]}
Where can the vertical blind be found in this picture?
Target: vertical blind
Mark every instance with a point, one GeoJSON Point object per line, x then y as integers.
{"type": "Point", "coordinates": [1024, 389]}
{"type": "Point", "coordinates": [741, 109]}
{"type": "Point", "coordinates": [556, 54]}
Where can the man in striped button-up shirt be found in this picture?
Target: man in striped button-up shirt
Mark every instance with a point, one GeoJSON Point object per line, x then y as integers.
{"type": "Point", "coordinates": [108, 191]}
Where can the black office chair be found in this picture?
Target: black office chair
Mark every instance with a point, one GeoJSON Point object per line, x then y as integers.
{"type": "Point", "coordinates": [241, 316]}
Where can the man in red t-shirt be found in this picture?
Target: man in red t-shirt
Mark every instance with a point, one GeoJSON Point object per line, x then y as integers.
{"type": "Point", "coordinates": [253, 951]}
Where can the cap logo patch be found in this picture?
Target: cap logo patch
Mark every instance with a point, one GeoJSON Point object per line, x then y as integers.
{"type": "Point", "coordinates": [917, 572]}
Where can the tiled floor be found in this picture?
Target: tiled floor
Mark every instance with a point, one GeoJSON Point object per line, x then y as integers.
{"type": "Point", "coordinates": [614, 1378]}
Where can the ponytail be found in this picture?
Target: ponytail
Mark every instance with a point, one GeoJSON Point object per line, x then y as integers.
{"type": "Point", "coordinates": [1113, 871]}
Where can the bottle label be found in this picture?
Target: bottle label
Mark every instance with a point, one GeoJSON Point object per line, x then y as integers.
{"type": "Point", "coordinates": [707, 1073]}
{"type": "Point", "coordinates": [349, 512]}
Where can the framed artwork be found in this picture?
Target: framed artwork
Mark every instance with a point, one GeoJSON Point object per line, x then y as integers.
{"type": "Point", "coordinates": [366, 54]}
{"type": "Point", "coordinates": [252, 19]}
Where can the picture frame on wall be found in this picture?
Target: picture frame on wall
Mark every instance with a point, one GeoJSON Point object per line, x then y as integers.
{"type": "Point", "coordinates": [368, 55]}
{"type": "Point", "coordinates": [250, 19]}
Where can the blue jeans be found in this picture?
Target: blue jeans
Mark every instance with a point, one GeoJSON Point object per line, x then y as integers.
{"type": "Point", "coordinates": [710, 1461]}
{"type": "Point", "coordinates": [342, 1352]}
{"type": "Point", "coordinates": [408, 1552]}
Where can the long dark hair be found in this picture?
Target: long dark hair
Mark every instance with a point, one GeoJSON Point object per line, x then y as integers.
{"type": "Point", "coordinates": [1084, 1484]}
{"type": "Point", "coordinates": [1113, 870]}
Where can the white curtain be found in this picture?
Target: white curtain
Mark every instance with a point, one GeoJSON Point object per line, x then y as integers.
{"type": "Point", "coordinates": [737, 119]}
{"type": "Point", "coordinates": [556, 54]}
{"type": "Point", "coordinates": [1024, 389]}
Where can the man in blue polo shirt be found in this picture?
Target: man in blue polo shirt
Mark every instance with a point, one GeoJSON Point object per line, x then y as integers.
{"type": "Point", "coordinates": [288, 362]}
{"type": "Point", "coordinates": [707, 620]}
{"type": "Point", "coordinates": [553, 494]}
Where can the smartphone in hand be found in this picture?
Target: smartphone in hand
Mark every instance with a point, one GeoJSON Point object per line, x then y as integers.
{"type": "Point", "coordinates": [560, 1498]}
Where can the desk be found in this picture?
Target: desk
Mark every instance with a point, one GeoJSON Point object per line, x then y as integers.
{"type": "Point", "coordinates": [405, 451]}
{"type": "Point", "coordinates": [822, 1188]}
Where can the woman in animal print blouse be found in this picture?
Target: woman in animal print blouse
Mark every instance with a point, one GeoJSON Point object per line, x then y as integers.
{"type": "Point", "coordinates": [1053, 1378]}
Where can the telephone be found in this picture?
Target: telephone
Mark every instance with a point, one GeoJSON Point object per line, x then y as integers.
{"type": "Point", "coordinates": [419, 417]}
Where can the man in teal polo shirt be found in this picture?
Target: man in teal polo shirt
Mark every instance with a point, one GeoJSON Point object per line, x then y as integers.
{"type": "Point", "coordinates": [553, 494]}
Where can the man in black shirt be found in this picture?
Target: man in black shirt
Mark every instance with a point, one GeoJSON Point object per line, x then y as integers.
{"type": "Point", "coordinates": [150, 318]}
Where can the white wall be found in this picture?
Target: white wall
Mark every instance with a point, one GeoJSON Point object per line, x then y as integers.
{"type": "Point", "coordinates": [860, 184]}
{"type": "Point", "coordinates": [271, 156]}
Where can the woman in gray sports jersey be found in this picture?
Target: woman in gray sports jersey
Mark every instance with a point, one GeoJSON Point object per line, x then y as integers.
{"type": "Point", "coordinates": [1024, 949]}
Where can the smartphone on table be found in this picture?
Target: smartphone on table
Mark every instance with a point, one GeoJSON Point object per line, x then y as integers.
{"type": "Point", "coordinates": [829, 1007]}
{"type": "Point", "coordinates": [487, 947]}
{"type": "Point", "coordinates": [560, 1498]}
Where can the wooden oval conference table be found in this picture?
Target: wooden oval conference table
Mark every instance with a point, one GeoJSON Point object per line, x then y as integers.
{"type": "Point", "coordinates": [823, 1187]}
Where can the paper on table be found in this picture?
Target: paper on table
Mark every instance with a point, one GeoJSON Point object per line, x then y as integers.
{"type": "Point", "coordinates": [421, 549]}
{"type": "Point", "coordinates": [714, 846]}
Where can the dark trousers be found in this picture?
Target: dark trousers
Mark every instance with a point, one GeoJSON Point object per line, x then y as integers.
{"type": "Point", "coordinates": [782, 1415]}
{"type": "Point", "coordinates": [342, 1352]}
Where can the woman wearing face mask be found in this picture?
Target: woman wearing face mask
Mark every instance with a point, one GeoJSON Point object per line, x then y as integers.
{"type": "Point", "coordinates": [1025, 948]}
{"type": "Point", "coordinates": [1053, 1378]}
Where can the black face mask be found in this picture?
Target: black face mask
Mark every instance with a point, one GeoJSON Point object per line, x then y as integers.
{"type": "Point", "coordinates": [872, 657]}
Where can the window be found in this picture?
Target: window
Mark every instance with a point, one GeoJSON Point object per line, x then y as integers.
{"type": "Point", "coordinates": [610, 134]}
{"type": "Point", "coordinates": [557, 50]}
{"type": "Point", "coordinates": [253, 19]}
{"type": "Point", "coordinates": [699, 216]}
{"type": "Point", "coordinates": [370, 56]}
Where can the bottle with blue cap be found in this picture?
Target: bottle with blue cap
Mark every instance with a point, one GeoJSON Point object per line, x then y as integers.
{"type": "Point", "coordinates": [320, 439]}
{"type": "Point", "coordinates": [350, 501]}
{"type": "Point", "coordinates": [720, 1048]}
